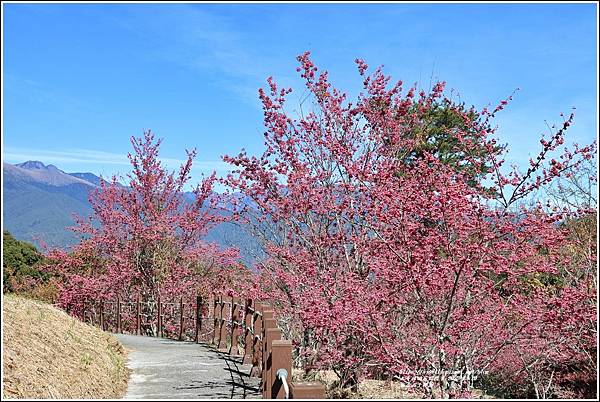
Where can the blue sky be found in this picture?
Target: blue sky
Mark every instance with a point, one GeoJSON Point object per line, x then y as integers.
{"type": "Point", "coordinates": [79, 80]}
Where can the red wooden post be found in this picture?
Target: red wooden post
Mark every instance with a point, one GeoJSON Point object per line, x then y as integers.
{"type": "Point", "coordinates": [248, 341]}
{"type": "Point", "coordinates": [307, 390]}
{"type": "Point", "coordinates": [268, 323]}
{"type": "Point", "coordinates": [198, 318]}
{"type": "Point", "coordinates": [180, 318]}
{"type": "Point", "coordinates": [119, 329]}
{"type": "Point", "coordinates": [159, 331]}
{"type": "Point", "coordinates": [233, 350]}
{"type": "Point", "coordinates": [271, 334]}
{"type": "Point", "coordinates": [257, 342]}
{"type": "Point", "coordinates": [223, 327]}
{"type": "Point", "coordinates": [213, 341]}
{"type": "Point", "coordinates": [138, 316]}
{"type": "Point", "coordinates": [84, 306]}
{"type": "Point", "coordinates": [102, 315]}
{"type": "Point", "coordinates": [281, 358]}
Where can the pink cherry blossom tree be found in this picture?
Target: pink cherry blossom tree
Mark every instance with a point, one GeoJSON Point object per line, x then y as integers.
{"type": "Point", "coordinates": [146, 238]}
{"type": "Point", "coordinates": [390, 262]}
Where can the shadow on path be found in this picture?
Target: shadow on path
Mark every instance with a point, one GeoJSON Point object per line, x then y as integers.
{"type": "Point", "coordinates": [235, 373]}
{"type": "Point", "coordinates": [163, 368]}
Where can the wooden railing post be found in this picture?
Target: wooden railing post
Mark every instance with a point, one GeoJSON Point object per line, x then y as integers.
{"type": "Point", "coordinates": [269, 334]}
{"type": "Point", "coordinates": [84, 308]}
{"type": "Point", "coordinates": [198, 318]}
{"type": "Point", "coordinates": [119, 329]}
{"type": "Point", "coordinates": [213, 341]}
{"type": "Point", "coordinates": [281, 358]}
{"type": "Point", "coordinates": [138, 316]}
{"type": "Point", "coordinates": [233, 350]}
{"type": "Point", "coordinates": [248, 341]}
{"type": "Point", "coordinates": [307, 390]}
{"type": "Point", "coordinates": [180, 318]}
{"type": "Point", "coordinates": [267, 323]}
{"type": "Point", "coordinates": [102, 315]}
{"type": "Point", "coordinates": [222, 327]}
{"type": "Point", "coordinates": [257, 341]}
{"type": "Point", "coordinates": [159, 331]}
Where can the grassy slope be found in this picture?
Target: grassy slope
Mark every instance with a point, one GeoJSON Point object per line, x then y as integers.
{"type": "Point", "coordinates": [48, 354]}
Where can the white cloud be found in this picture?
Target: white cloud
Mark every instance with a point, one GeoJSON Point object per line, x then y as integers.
{"type": "Point", "coordinates": [95, 157]}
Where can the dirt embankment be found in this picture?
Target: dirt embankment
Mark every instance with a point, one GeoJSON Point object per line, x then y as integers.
{"type": "Point", "coordinates": [48, 354]}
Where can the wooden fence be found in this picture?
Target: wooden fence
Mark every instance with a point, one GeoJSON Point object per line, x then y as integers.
{"type": "Point", "coordinates": [243, 328]}
{"type": "Point", "coordinates": [177, 319]}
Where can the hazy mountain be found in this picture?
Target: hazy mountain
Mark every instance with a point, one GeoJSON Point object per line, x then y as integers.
{"type": "Point", "coordinates": [40, 201]}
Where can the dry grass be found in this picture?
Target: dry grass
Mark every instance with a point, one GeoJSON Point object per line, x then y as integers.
{"type": "Point", "coordinates": [368, 389]}
{"type": "Point", "coordinates": [48, 354]}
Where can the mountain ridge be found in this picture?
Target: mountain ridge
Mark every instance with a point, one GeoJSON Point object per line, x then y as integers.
{"type": "Point", "coordinates": [40, 201]}
{"type": "Point", "coordinates": [37, 172]}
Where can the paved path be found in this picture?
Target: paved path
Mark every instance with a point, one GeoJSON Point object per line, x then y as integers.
{"type": "Point", "coordinates": [163, 368]}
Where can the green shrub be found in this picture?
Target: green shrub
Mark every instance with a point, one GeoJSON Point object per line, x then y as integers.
{"type": "Point", "coordinates": [21, 271]}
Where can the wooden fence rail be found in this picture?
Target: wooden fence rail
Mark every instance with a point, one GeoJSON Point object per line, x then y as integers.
{"type": "Point", "coordinates": [240, 327]}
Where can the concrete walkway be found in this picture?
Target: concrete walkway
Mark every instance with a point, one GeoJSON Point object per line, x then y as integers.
{"type": "Point", "coordinates": [163, 368]}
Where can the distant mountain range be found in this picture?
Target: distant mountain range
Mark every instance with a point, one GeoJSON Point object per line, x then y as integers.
{"type": "Point", "coordinates": [40, 202]}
